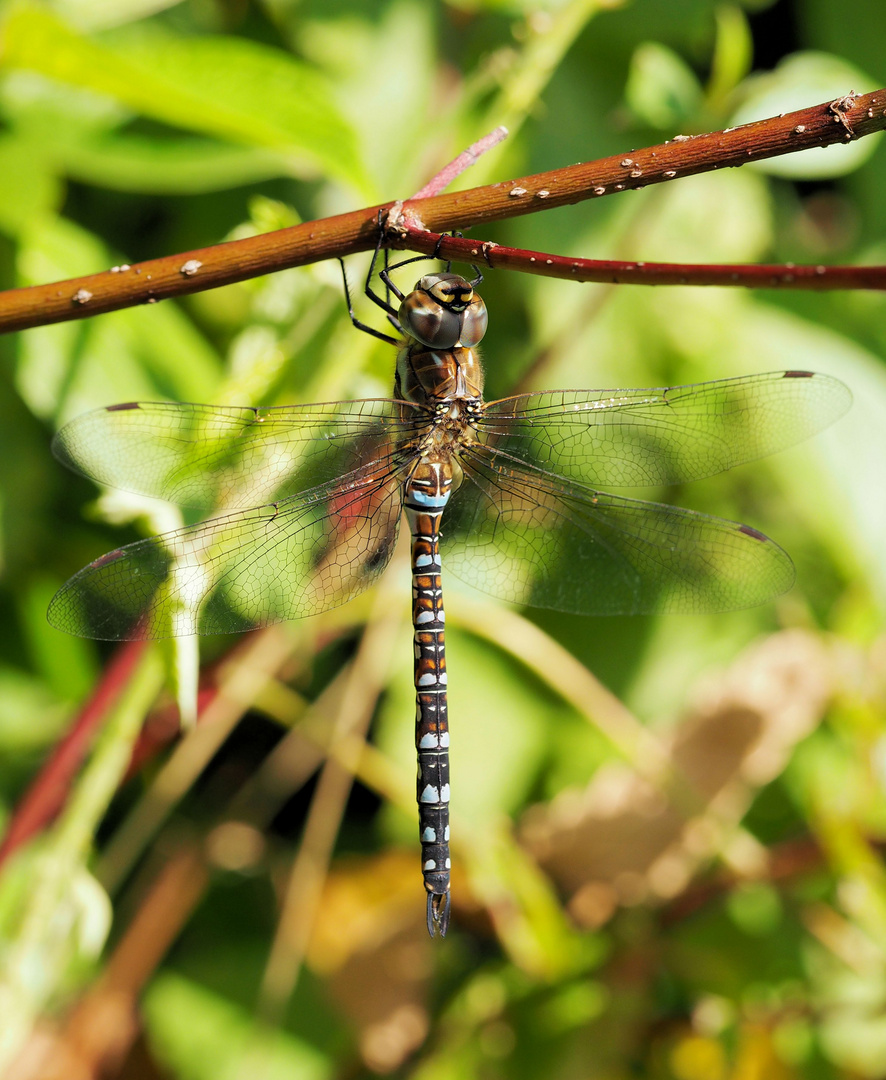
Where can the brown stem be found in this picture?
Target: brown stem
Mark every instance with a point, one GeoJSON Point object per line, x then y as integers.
{"type": "Point", "coordinates": [195, 271]}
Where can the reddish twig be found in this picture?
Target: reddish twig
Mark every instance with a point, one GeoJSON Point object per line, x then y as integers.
{"type": "Point", "coordinates": [207, 268]}
{"type": "Point", "coordinates": [457, 166]}
{"type": "Point", "coordinates": [753, 276]}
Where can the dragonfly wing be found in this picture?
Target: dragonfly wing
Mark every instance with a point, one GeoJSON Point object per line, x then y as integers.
{"type": "Point", "coordinates": [532, 538]}
{"type": "Point", "coordinates": [243, 570]}
{"type": "Point", "coordinates": [216, 457]}
{"type": "Point", "coordinates": [628, 438]}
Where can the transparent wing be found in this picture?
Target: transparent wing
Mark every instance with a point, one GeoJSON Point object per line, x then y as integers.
{"type": "Point", "coordinates": [627, 438]}
{"type": "Point", "coordinates": [244, 570]}
{"type": "Point", "coordinates": [210, 456]}
{"type": "Point", "coordinates": [531, 538]}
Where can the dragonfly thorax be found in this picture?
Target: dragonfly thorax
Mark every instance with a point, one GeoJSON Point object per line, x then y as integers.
{"type": "Point", "coordinates": [428, 376]}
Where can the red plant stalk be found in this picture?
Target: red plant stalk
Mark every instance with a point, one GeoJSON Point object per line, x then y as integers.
{"type": "Point", "coordinates": [49, 789]}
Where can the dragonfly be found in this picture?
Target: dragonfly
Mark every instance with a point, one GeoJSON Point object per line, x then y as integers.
{"type": "Point", "coordinates": [306, 502]}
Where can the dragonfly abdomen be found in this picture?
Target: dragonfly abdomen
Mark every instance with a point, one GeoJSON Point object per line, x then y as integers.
{"type": "Point", "coordinates": [427, 492]}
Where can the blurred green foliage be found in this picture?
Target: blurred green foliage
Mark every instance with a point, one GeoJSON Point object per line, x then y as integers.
{"type": "Point", "coordinates": [693, 947]}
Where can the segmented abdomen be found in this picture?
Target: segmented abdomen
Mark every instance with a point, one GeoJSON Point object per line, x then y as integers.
{"type": "Point", "coordinates": [427, 493]}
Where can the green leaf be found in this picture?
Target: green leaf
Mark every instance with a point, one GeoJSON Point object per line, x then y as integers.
{"type": "Point", "coordinates": [662, 90]}
{"type": "Point", "coordinates": [97, 14]}
{"type": "Point", "coordinates": [226, 87]}
{"type": "Point", "coordinates": [755, 907]}
{"type": "Point", "coordinates": [55, 113]}
{"type": "Point", "coordinates": [168, 166]}
{"type": "Point", "coordinates": [202, 1036]}
{"type": "Point", "coordinates": [733, 52]}
{"type": "Point", "coordinates": [801, 80]}
{"type": "Point", "coordinates": [68, 664]}
{"type": "Point", "coordinates": [32, 718]}
{"type": "Point", "coordinates": [28, 186]}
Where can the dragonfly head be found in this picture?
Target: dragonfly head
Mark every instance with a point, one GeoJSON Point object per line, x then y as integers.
{"type": "Point", "coordinates": [443, 312]}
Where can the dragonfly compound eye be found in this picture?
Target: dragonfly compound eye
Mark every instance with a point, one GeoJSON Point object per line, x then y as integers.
{"type": "Point", "coordinates": [443, 311]}
{"type": "Point", "coordinates": [473, 323]}
{"type": "Point", "coordinates": [428, 321]}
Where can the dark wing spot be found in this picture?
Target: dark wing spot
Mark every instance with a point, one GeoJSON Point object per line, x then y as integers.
{"type": "Point", "coordinates": [748, 531]}
{"type": "Point", "coordinates": [123, 407]}
{"type": "Point", "coordinates": [103, 560]}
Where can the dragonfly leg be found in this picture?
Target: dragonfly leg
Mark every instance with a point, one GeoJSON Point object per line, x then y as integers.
{"type": "Point", "coordinates": [385, 274]}
{"type": "Point", "coordinates": [383, 302]}
{"type": "Point", "coordinates": [365, 327]}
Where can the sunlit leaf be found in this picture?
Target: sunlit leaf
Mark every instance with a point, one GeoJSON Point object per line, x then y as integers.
{"type": "Point", "coordinates": [662, 90]}
{"type": "Point", "coordinates": [28, 186]}
{"type": "Point", "coordinates": [130, 163]}
{"type": "Point", "coordinates": [99, 14]}
{"type": "Point", "coordinates": [801, 80]}
{"type": "Point", "coordinates": [32, 717]}
{"type": "Point", "coordinates": [202, 1036]}
{"type": "Point", "coordinates": [226, 87]}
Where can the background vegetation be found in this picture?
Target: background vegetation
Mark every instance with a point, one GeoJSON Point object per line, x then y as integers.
{"type": "Point", "coordinates": [668, 830]}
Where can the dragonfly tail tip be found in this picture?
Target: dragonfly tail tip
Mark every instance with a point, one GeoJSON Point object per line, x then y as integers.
{"type": "Point", "coordinates": [438, 913]}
